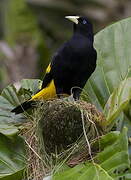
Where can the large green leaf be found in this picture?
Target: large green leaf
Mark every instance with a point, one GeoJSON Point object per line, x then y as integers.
{"type": "Point", "coordinates": [8, 130]}
{"type": "Point", "coordinates": [12, 158]}
{"type": "Point", "coordinates": [118, 101]}
{"type": "Point", "coordinates": [84, 172]}
{"type": "Point", "coordinates": [110, 163]}
{"type": "Point", "coordinates": [12, 147]}
{"type": "Point", "coordinates": [31, 84]}
{"type": "Point", "coordinates": [114, 157]}
{"type": "Point", "coordinates": [113, 64]}
{"type": "Point", "coordinates": [10, 98]}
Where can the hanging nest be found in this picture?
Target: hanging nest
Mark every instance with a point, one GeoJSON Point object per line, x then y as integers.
{"type": "Point", "coordinates": [58, 131]}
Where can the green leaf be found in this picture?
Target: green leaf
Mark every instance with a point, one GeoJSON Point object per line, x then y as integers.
{"type": "Point", "coordinates": [118, 101]}
{"type": "Point", "coordinates": [113, 64]}
{"type": "Point", "coordinates": [31, 84]}
{"type": "Point", "coordinates": [126, 122]}
{"type": "Point", "coordinates": [10, 98]}
{"type": "Point", "coordinates": [7, 130]}
{"type": "Point", "coordinates": [9, 94]}
{"type": "Point", "coordinates": [12, 158]}
{"type": "Point", "coordinates": [20, 22]}
{"type": "Point", "coordinates": [82, 172]}
{"type": "Point", "coordinates": [114, 156]}
{"type": "Point", "coordinates": [110, 163]}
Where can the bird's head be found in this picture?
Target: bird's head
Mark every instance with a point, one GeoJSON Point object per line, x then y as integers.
{"type": "Point", "coordinates": [81, 25]}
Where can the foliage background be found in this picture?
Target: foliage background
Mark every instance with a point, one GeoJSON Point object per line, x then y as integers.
{"type": "Point", "coordinates": [32, 30]}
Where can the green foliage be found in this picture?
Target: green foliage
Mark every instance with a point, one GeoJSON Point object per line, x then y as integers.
{"type": "Point", "coordinates": [113, 64]}
{"type": "Point", "coordinates": [110, 163]}
{"type": "Point", "coordinates": [111, 79]}
{"type": "Point", "coordinates": [82, 171]}
{"type": "Point", "coordinates": [8, 130]}
{"type": "Point", "coordinates": [118, 101]}
{"type": "Point", "coordinates": [108, 86]}
{"type": "Point", "coordinates": [21, 28]}
{"type": "Point", "coordinates": [12, 147]}
{"type": "Point", "coordinates": [114, 157]}
{"type": "Point", "coordinates": [10, 98]}
{"type": "Point", "coordinates": [20, 22]}
{"type": "Point", "coordinates": [12, 156]}
{"type": "Point", "coordinates": [109, 89]}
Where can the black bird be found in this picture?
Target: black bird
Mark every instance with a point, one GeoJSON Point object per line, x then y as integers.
{"type": "Point", "coordinates": [71, 66]}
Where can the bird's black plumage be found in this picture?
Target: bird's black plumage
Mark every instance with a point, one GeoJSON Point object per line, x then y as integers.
{"type": "Point", "coordinates": [75, 61]}
{"type": "Point", "coordinates": [71, 66]}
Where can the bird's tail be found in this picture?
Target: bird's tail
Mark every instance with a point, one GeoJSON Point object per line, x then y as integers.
{"type": "Point", "coordinates": [48, 92]}
{"type": "Point", "coordinates": [23, 107]}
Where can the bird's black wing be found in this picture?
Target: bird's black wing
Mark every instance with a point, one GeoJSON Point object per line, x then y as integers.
{"type": "Point", "coordinates": [47, 79]}
{"type": "Point", "coordinates": [48, 75]}
{"type": "Point", "coordinates": [73, 65]}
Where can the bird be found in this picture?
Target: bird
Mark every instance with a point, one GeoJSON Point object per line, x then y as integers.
{"type": "Point", "coordinates": [71, 66]}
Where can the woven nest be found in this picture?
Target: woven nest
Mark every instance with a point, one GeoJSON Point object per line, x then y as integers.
{"type": "Point", "coordinates": [61, 123]}
{"type": "Point", "coordinates": [58, 127]}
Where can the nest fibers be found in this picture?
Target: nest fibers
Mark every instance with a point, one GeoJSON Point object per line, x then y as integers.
{"type": "Point", "coordinates": [61, 127]}
{"type": "Point", "coordinates": [61, 123]}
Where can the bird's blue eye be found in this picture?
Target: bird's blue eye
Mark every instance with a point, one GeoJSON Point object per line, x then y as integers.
{"type": "Point", "coordinates": [84, 22]}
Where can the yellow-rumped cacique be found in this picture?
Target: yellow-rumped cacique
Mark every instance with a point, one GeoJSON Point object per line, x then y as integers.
{"type": "Point", "coordinates": [71, 65]}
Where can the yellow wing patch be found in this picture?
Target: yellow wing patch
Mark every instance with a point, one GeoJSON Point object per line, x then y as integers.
{"type": "Point", "coordinates": [47, 93]}
{"type": "Point", "coordinates": [48, 68]}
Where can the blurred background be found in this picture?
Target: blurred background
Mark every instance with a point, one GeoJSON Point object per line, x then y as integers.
{"type": "Point", "coordinates": [32, 30]}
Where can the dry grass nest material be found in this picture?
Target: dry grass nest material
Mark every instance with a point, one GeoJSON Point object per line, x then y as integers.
{"type": "Point", "coordinates": [57, 131]}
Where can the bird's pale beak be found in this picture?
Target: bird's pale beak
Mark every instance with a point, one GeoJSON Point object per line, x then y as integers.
{"type": "Point", "coordinates": [73, 19]}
